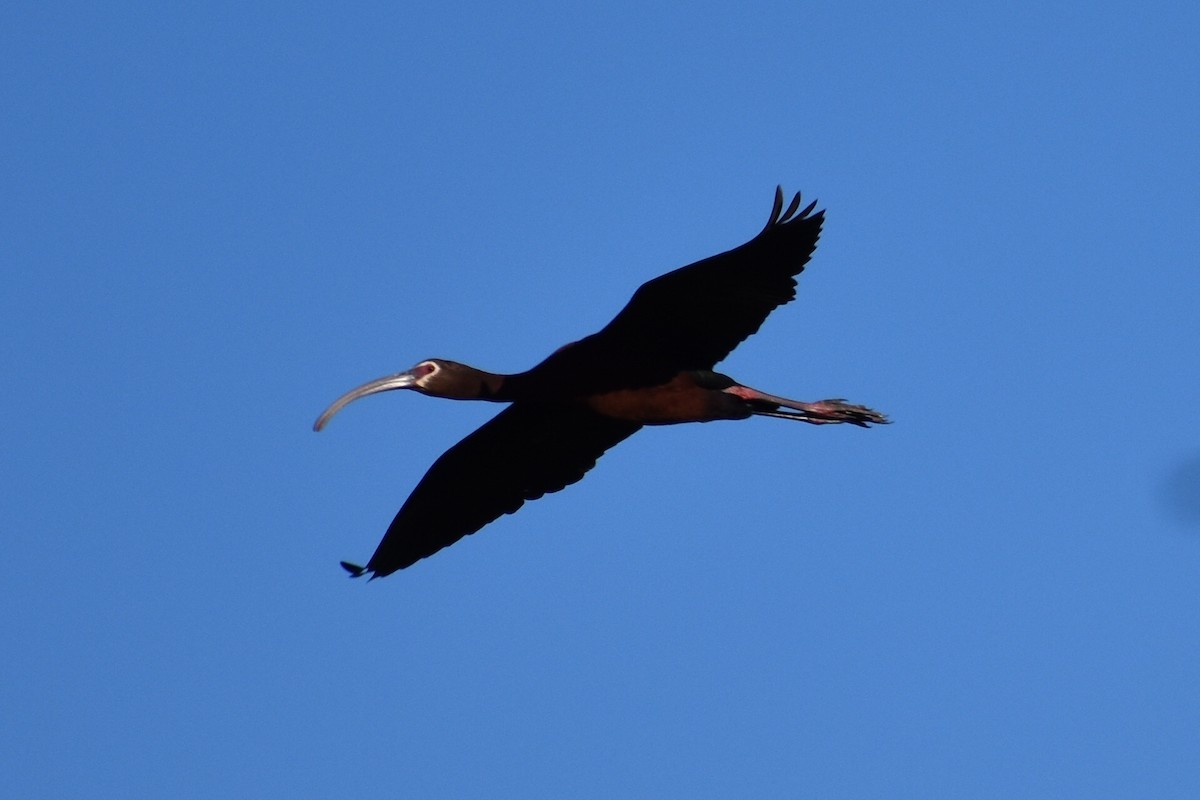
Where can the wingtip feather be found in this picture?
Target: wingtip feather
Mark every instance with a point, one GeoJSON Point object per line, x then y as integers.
{"type": "Point", "coordinates": [780, 217]}
{"type": "Point", "coordinates": [791, 209]}
{"type": "Point", "coordinates": [776, 207]}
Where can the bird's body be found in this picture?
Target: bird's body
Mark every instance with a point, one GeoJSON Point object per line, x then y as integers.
{"type": "Point", "coordinates": [684, 398]}
{"type": "Point", "coordinates": [652, 365]}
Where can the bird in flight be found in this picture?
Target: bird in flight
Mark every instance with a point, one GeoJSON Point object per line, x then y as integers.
{"type": "Point", "coordinates": [651, 365]}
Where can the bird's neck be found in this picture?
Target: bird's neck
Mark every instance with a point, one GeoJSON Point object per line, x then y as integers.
{"type": "Point", "coordinates": [506, 388]}
{"type": "Point", "coordinates": [491, 386]}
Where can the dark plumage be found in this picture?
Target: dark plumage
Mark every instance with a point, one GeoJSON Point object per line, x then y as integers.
{"type": "Point", "coordinates": [651, 365]}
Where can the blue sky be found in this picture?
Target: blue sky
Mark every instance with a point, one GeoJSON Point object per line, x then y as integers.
{"type": "Point", "coordinates": [217, 219]}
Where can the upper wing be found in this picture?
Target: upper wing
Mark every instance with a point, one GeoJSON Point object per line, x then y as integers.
{"type": "Point", "coordinates": [693, 317]}
{"type": "Point", "coordinates": [524, 452]}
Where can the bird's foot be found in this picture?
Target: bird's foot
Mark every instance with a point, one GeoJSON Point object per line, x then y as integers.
{"type": "Point", "coordinates": [829, 412]}
{"type": "Point", "coordinates": [822, 412]}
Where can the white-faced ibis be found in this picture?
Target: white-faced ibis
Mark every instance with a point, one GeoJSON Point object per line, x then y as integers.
{"type": "Point", "coordinates": [652, 365]}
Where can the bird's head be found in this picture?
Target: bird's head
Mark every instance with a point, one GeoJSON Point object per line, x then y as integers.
{"type": "Point", "coordinates": [435, 376]}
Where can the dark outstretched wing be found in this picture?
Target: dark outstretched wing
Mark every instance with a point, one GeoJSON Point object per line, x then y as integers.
{"type": "Point", "coordinates": [524, 452]}
{"type": "Point", "coordinates": [693, 317]}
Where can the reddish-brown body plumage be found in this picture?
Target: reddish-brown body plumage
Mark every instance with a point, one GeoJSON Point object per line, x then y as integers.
{"type": "Point", "coordinates": [652, 365]}
{"type": "Point", "coordinates": [681, 399]}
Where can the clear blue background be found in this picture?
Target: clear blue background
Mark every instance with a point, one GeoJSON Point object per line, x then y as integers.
{"type": "Point", "coordinates": [215, 220]}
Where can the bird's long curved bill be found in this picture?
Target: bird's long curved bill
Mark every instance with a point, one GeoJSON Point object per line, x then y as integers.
{"type": "Point", "coordinates": [401, 380]}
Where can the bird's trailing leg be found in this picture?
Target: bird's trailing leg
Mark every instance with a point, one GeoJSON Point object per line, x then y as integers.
{"type": "Point", "coordinates": [828, 412]}
{"type": "Point", "coordinates": [822, 412]}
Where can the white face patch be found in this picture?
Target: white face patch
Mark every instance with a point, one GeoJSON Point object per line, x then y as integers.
{"type": "Point", "coordinates": [423, 371]}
